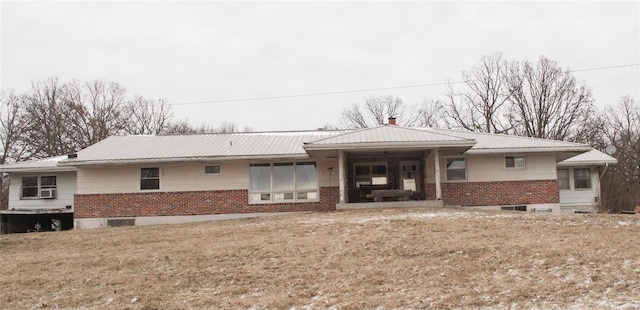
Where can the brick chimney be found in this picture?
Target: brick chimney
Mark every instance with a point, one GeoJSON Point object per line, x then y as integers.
{"type": "Point", "coordinates": [392, 120]}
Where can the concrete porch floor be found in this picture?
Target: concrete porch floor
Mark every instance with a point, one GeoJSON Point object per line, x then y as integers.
{"type": "Point", "coordinates": [390, 204]}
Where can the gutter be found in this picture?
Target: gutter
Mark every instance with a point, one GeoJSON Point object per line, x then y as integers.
{"type": "Point", "coordinates": [387, 145]}
{"type": "Point", "coordinates": [527, 150]}
{"type": "Point", "coordinates": [116, 162]}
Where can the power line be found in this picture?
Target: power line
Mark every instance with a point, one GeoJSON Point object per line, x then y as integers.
{"type": "Point", "coordinates": [363, 90]}
{"type": "Point", "coordinates": [604, 68]}
{"type": "Point", "coordinates": [318, 94]}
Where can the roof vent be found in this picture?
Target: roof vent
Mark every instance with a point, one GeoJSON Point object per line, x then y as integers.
{"type": "Point", "coordinates": [71, 156]}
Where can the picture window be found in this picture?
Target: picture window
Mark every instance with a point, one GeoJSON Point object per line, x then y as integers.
{"type": "Point", "coordinates": [283, 182]}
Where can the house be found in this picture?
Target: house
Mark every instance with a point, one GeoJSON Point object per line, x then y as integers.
{"type": "Point", "coordinates": [40, 196]}
{"type": "Point", "coordinates": [126, 180]}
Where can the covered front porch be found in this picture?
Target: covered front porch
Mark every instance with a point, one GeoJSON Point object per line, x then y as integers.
{"type": "Point", "coordinates": [384, 178]}
{"type": "Point", "coordinates": [389, 165]}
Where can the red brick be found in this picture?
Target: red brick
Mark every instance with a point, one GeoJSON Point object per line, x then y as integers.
{"type": "Point", "coordinates": [190, 203]}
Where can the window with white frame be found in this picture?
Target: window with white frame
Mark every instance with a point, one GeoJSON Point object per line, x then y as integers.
{"type": "Point", "coordinates": [283, 182]}
{"type": "Point", "coordinates": [212, 169]}
{"type": "Point", "coordinates": [582, 178]}
{"type": "Point", "coordinates": [456, 169]}
{"type": "Point", "coordinates": [578, 178]}
{"type": "Point", "coordinates": [43, 187]}
{"type": "Point", "coordinates": [563, 179]}
{"type": "Point", "coordinates": [370, 174]}
{"type": "Point", "coordinates": [149, 178]}
{"type": "Point", "coordinates": [514, 162]}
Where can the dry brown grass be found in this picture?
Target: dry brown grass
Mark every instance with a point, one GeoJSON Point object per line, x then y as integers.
{"type": "Point", "coordinates": [397, 258]}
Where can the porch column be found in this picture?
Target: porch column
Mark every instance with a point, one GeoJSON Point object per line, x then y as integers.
{"type": "Point", "coordinates": [436, 162]}
{"type": "Point", "coordinates": [341, 175]}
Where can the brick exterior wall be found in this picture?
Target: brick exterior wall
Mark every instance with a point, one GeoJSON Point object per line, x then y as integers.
{"type": "Point", "coordinates": [497, 193]}
{"type": "Point", "coordinates": [190, 203]}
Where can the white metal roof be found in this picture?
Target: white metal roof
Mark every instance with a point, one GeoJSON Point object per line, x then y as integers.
{"type": "Point", "coordinates": [389, 136]}
{"type": "Point", "coordinates": [45, 164]}
{"type": "Point", "coordinates": [268, 145]}
{"type": "Point", "coordinates": [487, 143]}
{"type": "Point", "coordinates": [139, 149]}
{"type": "Point", "coordinates": [591, 158]}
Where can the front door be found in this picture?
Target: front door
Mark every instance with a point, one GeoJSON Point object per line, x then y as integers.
{"type": "Point", "coordinates": [410, 175]}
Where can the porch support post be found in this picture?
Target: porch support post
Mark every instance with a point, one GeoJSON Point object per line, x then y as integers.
{"type": "Point", "coordinates": [436, 162]}
{"type": "Point", "coordinates": [341, 177]}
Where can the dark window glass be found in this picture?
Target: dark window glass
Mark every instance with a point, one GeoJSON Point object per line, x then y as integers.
{"type": "Point", "coordinates": [29, 187]}
{"type": "Point", "coordinates": [582, 178]}
{"type": "Point", "coordinates": [563, 178]}
{"type": "Point", "coordinates": [48, 182]}
{"type": "Point", "coordinates": [212, 169]}
{"type": "Point", "coordinates": [150, 178]}
{"type": "Point", "coordinates": [456, 170]}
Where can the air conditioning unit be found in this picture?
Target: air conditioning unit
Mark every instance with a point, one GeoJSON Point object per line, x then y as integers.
{"type": "Point", "coordinates": [48, 193]}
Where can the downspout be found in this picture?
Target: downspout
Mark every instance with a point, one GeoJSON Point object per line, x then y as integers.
{"type": "Point", "coordinates": [606, 165]}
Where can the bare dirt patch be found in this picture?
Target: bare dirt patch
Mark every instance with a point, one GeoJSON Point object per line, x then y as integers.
{"type": "Point", "coordinates": [396, 258]}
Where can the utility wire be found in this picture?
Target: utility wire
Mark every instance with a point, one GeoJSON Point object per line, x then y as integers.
{"type": "Point", "coordinates": [319, 94]}
{"type": "Point", "coordinates": [604, 68]}
{"type": "Point", "coordinates": [364, 90]}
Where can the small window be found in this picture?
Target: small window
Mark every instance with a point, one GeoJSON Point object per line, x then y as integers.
{"type": "Point", "coordinates": [456, 169]}
{"type": "Point", "coordinates": [149, 178]}
{"type": "Point", "coordinates": [29, 187]}
{"type": "Point", "coordinates": [563, 178]}
{"type": "Point", "coordinates": [514, 161]}
{"type": "Point", "coordinates": [582, 178]}
{"type": "Point", "coordinates": [213, 169]}
{"type": "Point", "coordinates": [514, 208]}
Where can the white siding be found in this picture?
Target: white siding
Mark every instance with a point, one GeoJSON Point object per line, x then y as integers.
{"type": "Point", "coordinates": [191, 176]}
{"type": "Point", "coordinates": [183, 177]}
{"type": "Point", "coordinates": [491, 168]}
{"type": "Point", "coordinates": [116, 179]}
{"type": "Point", "coordinates": [581, 199]}
{"type": "Point", "coordinates": [66, 188]}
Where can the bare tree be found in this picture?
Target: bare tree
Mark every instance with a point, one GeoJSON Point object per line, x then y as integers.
{"type": "Point", "coordinates": [432, 113]}
{"type": "Point", "coordinates": [49, 120]}
{"type": "Point", "coordinates": [354, 118]}
{"type": "Point", "coordinates": [148, 117]}
{"type": "Point", "coordinates": [621, 184]}
{"type": "Point", "coordinates": [99, 110]}
{"type": "Point", "coordinates": [547, 102]}
{"type": "Point", "coordinates": [482, 105]}
{"type": "Point", "coordinates": [376, 111]}
{"type": "Point", "coordinates": [11, 130]}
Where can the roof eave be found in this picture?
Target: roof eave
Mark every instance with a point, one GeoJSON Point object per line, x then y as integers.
{"type": "Point", "coordinates": [523, 150]}
{"type": "Point", "coordinates": [142, 161]}
{"type": "Point", "coordinates": [388, 145]}
{"type": "Point", "coordinates": [587, 163]}
{"type": "Point", "coordinates": [38, 169]}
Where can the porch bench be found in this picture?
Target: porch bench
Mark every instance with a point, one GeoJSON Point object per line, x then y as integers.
{"type": "Point", "coordinates": [402, 195]}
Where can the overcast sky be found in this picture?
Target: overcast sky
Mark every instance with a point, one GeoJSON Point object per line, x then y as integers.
{"type": "Point", "coordinates": [213, 51]}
